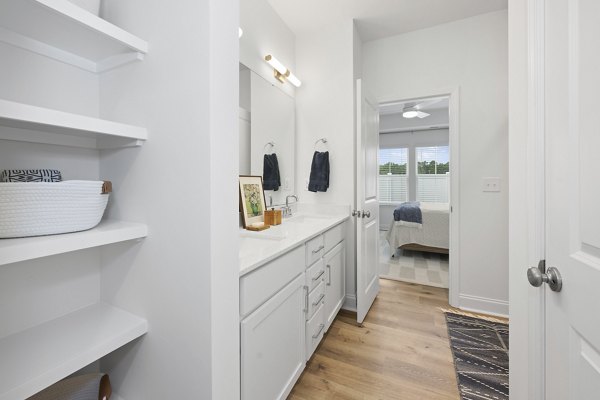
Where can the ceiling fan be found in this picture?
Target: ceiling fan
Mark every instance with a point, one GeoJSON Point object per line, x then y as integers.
{"type": "Point", "coordinates": [413, 109]}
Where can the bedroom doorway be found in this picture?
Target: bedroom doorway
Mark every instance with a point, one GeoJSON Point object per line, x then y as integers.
{"type": "Point", "coordinates": [415, 179]}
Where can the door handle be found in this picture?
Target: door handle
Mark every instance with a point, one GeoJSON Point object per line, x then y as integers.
{"type": "Point", "coordinates": [366, 214]}
{"type": "Point", "coordinates": [538, 275]}
{"type": "Point", "coordinates": [328, 275]}
{"type": "Point", "coordinates": [355, 213]}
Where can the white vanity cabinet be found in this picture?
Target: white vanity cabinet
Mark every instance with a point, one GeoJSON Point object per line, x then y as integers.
{"type": "Point", "coordinates": [272, 340]}
{"type": "Point", "coordinates": [286, 305]}
{"type": "Point", "coordinates": [335, 282]}
{"type": "Point", "coordinates": [326, 283]}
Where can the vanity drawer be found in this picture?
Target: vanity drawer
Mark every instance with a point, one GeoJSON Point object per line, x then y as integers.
{"type": "Point", "coordinates": [315, 328]}
{"type": "Point", "coordinates": [334, 236]}
{"type": "Point", "coordinates": [314, 250]}
{"type": "Point", "coordinates": [261, 284]}
{"type": "Point", "coordinates": [315, 275]}
{"type": "Point", "coordinates": [316, 298]}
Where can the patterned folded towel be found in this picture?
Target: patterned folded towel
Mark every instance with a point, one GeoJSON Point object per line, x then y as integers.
{"type": "Point", "coordinates": [30, 175]}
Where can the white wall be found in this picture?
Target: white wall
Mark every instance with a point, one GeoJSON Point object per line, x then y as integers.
{"type": "Point", "coordinates": [244, 86]}
{"type": "Point", "coordinates": [266, 33]}
{"type": "Point", "coordinates": [184, 277]}
{"type": "Point", "coordinates": [325, 108]}
{"type": "Point", "coordinates": [471, 55]}
{"type": "Point", "coordinates": [29, 78]}
{"type": "Point", "coordinates": [244, 140]}
{"type": "Point", "coordinates": [32, 292]}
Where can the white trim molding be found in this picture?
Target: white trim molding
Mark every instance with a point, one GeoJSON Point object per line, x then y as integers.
{"type": "Point", "coordinates": [483, 305]}
{"type": "Point", "coordinates": [454, 141]}
{"type": "Point", "coordinates": [536, 203]}
{"type": "Point", "coordinates": [349, 303]}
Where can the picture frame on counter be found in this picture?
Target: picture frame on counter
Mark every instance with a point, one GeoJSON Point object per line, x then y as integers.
{"type": "Point", "coordinates": [252, 200]}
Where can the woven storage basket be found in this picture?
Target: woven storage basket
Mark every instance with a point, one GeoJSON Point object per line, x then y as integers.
{"type": "Point", "coordinates": [44, 208]}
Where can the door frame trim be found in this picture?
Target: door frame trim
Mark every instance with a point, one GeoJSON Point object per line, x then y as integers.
{"type": "Point", "coordinates": [454, 140]}
{"type": "Point", "coordinates": [526, 195]}
{"type": "Point", "coordinates": [536, 158]}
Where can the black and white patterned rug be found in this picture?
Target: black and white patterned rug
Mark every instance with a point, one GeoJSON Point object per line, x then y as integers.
{"type": "Point", "coordinates": [480, 350]}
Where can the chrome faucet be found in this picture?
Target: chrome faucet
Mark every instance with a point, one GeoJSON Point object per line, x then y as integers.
{"type": "Point", "coordinates": [287, 210]}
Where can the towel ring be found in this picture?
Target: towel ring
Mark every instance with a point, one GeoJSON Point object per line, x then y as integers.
{"type": "Point", "coordinates": [272, 144]}
{"type": "Point", "coordinates": [324, 140]}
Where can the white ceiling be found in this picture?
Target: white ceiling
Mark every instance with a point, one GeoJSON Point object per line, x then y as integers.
{"type": "Point", "coordinates": [377, 19]}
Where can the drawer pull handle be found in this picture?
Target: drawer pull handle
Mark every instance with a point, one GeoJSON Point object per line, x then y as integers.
{"type": "Point", "coordinates": [321, 247]}
{"type": "Point", "coordinates": [329, 275]}
{"type": "Point", "coordinates": [305, 298]}
{"type": "Point", "coordinates": [321, 327]}
{"type": "Point", "coordinates": [320, 299]}
{"type": "Point", "coordinates": [316, 278]}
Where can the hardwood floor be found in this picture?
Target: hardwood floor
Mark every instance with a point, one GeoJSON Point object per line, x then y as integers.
{"type": "Point", "coordinates": [400, 352]}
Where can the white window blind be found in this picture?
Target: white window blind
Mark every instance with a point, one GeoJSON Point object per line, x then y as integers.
{"type": "Point", "coordinates": [393, 175]}
{"type": "Point", "coordinates": [433, 176]}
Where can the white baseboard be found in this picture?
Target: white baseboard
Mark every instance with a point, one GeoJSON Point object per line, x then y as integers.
{"type": "Point", "coordinates": [349, 303]}
{"type": "Point", "coordinates": [483, 305]}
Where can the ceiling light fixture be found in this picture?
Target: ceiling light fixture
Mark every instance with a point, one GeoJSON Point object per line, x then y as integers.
{"type": "Point", "coordinates": [282, 74]}
{"type": "Point", "coordinates": [412, 112]}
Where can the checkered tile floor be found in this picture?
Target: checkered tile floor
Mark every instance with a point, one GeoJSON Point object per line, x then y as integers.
{"type": "Point", "coordinates": [429, 269]}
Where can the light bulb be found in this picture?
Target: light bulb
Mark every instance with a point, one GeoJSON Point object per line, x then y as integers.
{"type": "Point", "coordinates": [273, 62]}
{"type": "Point", "coordinates": [293, 79]}
{"type": "Point", "coordinates": [410, 113]}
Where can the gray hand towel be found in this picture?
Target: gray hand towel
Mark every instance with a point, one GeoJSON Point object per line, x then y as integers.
{"type": "Point", "coordinates": [319, 172]}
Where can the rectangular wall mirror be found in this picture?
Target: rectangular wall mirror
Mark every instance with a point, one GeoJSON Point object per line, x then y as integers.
{"type": "Point", "coordinates": [267, 125]}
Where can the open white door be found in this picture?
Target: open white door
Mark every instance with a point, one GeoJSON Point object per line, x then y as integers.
{"type": "Point", "coordinates": [367, 204]}
{"type": "Point", "coordinates": [572, 84]}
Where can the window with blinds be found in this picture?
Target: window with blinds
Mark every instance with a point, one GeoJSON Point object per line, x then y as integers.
{"type": "Point", "coordinates": [393, 175]}
{"type": "Point", "coordinates": [433, 173]}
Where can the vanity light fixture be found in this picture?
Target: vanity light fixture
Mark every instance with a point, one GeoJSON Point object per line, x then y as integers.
{"type": "Point", "coordinates": [241, 32]}
{"type": "Point", "coordinates": [282, 74]}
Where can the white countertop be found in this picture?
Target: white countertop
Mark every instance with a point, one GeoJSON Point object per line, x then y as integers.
{"type": "Point", "coordinates": [258, 248]}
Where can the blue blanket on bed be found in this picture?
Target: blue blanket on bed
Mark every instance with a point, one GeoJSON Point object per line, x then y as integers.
{"type": "Point", "coordinates": [409, 212]}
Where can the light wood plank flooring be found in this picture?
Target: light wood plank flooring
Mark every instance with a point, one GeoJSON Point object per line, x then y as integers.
{"type": "Point", "coordinates": [400, 352]}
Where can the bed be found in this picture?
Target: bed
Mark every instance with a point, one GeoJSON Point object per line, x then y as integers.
{"type": "Point", "coordinates": [433, 236]}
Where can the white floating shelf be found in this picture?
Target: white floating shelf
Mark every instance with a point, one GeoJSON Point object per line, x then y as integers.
{"type": "Point", "coordinates": [27, 123]}
{"type": "Point", "coordinates": [65, 32]}
{"type": "Point", "coordinates": [38, 357]}
{"type": "Point", "coordinates": [107, 232]}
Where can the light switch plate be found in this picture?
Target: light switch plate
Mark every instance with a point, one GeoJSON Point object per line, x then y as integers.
{"type": "Point", "coordinates": [491, 184]}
